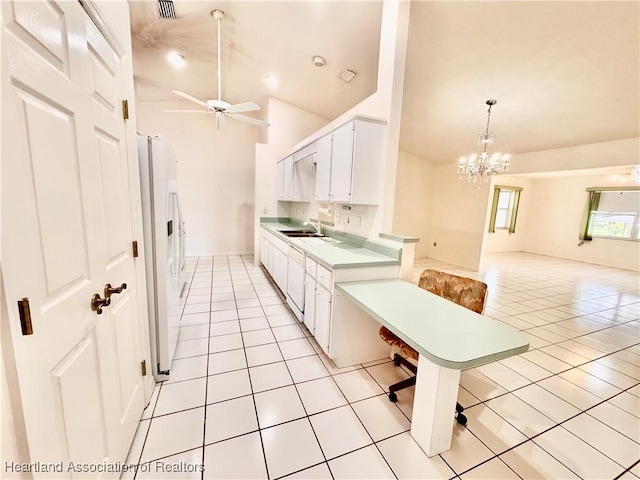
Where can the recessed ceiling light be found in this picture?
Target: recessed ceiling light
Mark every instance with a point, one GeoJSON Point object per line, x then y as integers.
{"type": "Point", "coordinates": [348, 75]}
{"type": "Point", "coordinates": [271, 81]}
{"type": "Point", "coordinates": [176, 59]}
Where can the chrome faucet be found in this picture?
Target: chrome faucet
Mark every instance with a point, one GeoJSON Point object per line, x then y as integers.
{"type": "Point", "coordinates": [316, 226]}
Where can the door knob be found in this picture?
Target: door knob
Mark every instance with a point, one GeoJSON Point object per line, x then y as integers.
{"type": "Point", "coordinates": [97, 303]}
{"type": "Point", "coordinates": [109, 290]}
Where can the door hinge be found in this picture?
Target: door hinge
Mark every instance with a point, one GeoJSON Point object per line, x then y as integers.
{"type": "Point", "coordinates": [125, 109]}
{"type": "Point", "coordinates": [143, 365]}
{"type": "Point", "coordinates": [134, 245]}
{"type": "Point", "coordinates": [25, 316]}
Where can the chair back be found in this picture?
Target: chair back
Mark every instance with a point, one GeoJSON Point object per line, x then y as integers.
{"type": "Point", "coordinates": [464, 291]}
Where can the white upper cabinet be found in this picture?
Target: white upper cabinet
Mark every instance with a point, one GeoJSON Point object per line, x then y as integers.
{"type": "Point", "coordinates": [355, 170]}
{"type": "Point", "coordinates": [349, 166]}
{"type": "Point", "coordinates": [288, 178]}
{"type": "Point", "coordinates": [284, 178]}
{"type": "Point", "coordinates": [280, 180]}
{"type": "Point", "coordinates": [342, 163]}
{"type": "Point", "coordinates": [367, 163]}
{"type": "Point", "coordinates": [323, 169]}
{"type": "Point", "coordinates": [303, 179]}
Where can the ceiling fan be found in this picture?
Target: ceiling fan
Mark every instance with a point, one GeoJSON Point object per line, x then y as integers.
{"type": "Point", "coordinates": [219, 107]}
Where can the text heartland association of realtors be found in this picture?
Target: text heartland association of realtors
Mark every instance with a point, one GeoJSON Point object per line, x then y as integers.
{"type": "Point", "coordinates": [118, 467]}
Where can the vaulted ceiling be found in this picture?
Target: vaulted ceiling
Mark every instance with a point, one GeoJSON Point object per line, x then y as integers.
{"type": "Point", "coordinates": [260, 38]}
{"type": "Point", "coordinates": [564, 73]}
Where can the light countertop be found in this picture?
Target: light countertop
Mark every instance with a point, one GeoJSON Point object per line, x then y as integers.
{"type": "Point", "coordinates": [340, 252]}
{"type": "Point", "coordinates": [446, 333]}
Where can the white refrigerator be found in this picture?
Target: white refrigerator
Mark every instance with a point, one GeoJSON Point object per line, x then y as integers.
{"type": "Point", "coordinates": [164, 242]}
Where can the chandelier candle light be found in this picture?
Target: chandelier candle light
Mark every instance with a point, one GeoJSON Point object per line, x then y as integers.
{"type": "Point", "coordinates": [482, 167]}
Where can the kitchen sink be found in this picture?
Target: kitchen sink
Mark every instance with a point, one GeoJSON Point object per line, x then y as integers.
{"type": "Point", "coordinates": [299, 233]}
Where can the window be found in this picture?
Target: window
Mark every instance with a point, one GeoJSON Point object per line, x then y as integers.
{"type": "Point", "coordinates": [613, 214]}
{"type": "Point", "coordinates": [504, 211]}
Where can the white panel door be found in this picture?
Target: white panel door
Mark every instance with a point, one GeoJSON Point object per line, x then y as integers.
{"type": "Point", "coordinates": [342, 163]}
{"type": "Point", "coordinates": [67, 232]}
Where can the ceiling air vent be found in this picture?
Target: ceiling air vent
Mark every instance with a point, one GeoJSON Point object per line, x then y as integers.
{"type": "Point", "coordinates": [166, 9]}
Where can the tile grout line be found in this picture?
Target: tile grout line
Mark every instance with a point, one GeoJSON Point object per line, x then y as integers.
{"type": "Point", "coordinates": [206, 384]}
{"type": "Point", "coordinates": [296, 389]}
{"type": "Point", "coordinates": [253, 397]}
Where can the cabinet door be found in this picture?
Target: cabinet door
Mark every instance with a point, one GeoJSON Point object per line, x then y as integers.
{"type": "Point", "coordinates": [270, 258]}
{"type": "Point", "coordinates": [263, 251]}
{"type": "Point", "coordinates": [310, 303]}
{"type": "Point", "coordinates": [323, 169]}
{"type": "Point", "coordinates": [280, 180]}
{"type": "Point", "coordinates": [288, 178]}
{"type": "Point", "coordinates": [280, 265]}
{"type": "Point", "coordinates": [342, 163]}
{"type": "Point", "coordinates": [303, 181]}
{"type": "Point", "coordinates": [323, 317]}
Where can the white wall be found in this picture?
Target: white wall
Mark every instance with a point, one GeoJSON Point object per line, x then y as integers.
{"type": "Point", "coordinates": [215, 175]}
{"type": "Point", "coordinates": [501, 240]}
{"type": "Point", "coordinates": [555, 223]}
{"type": "Point", "coordinates": [457, 223]}
{"type": "Point", "coordinates": [412, 209]}
{"type": "Point", "coordinates": [385, 103]}
{"type": "Point", "coordinates": [580, 157]}
{"type": "Point", "coordinates": [289, 124]}
{"type": "Point", "coordinates": [458, 213]}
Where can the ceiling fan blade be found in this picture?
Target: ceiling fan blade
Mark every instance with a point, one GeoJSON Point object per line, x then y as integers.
{"type": "Point", "coordinates": [187, 111]}
{"type": "Point", "coordinates": [189, 97]}
{"type": "Point", "coordinates": [252, 121]}
{"type": "Point", "coordinates": [243, 107]}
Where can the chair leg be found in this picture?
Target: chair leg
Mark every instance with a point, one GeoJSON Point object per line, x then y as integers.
{"type": "Point", "coordinates": [406, 383]}
{"type": "Point", "coordinates": [399, 360]}
{"type": "Point", "coordinates": [409, 382]}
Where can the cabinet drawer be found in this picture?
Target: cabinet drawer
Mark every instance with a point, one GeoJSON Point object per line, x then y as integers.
{"type": "Point", "coordinates": [311, 267]}
{"type": "Point", "coordinates": [280, 244]}
{"type": "Point", "coordinates": [325, 277]}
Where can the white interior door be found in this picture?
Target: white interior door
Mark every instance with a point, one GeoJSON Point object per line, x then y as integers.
{"type": "Point", "coordinates": [67, 232]}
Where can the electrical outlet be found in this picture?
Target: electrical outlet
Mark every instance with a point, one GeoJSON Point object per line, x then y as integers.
{"type": "Point", "coordinates": [264, 210]}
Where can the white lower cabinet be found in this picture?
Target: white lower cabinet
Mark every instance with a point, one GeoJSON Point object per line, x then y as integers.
{"type": "Point", "coordinates": [280, 266]}
{"type": "Point", "coordinates": [343, 330]}
{"type": "Point", "coordinates": [310, 303]}
{"type": "Point", "coordinates": [323, 318]}
{"type": "Point", "coordinates": [266, 251]}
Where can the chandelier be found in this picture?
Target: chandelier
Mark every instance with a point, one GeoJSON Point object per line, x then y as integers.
{"type": "Point", "coordinates": [482, 167]}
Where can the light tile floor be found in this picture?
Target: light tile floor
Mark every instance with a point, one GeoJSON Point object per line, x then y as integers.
{"type": "Point", "coordinates": [252, 396]}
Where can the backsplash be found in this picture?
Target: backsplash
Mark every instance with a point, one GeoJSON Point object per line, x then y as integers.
{"type": "Point", "coordinates": [358, 220]}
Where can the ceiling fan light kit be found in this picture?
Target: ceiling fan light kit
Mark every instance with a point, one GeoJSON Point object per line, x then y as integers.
{"type": "Point", "coordinates": [219, 107]}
